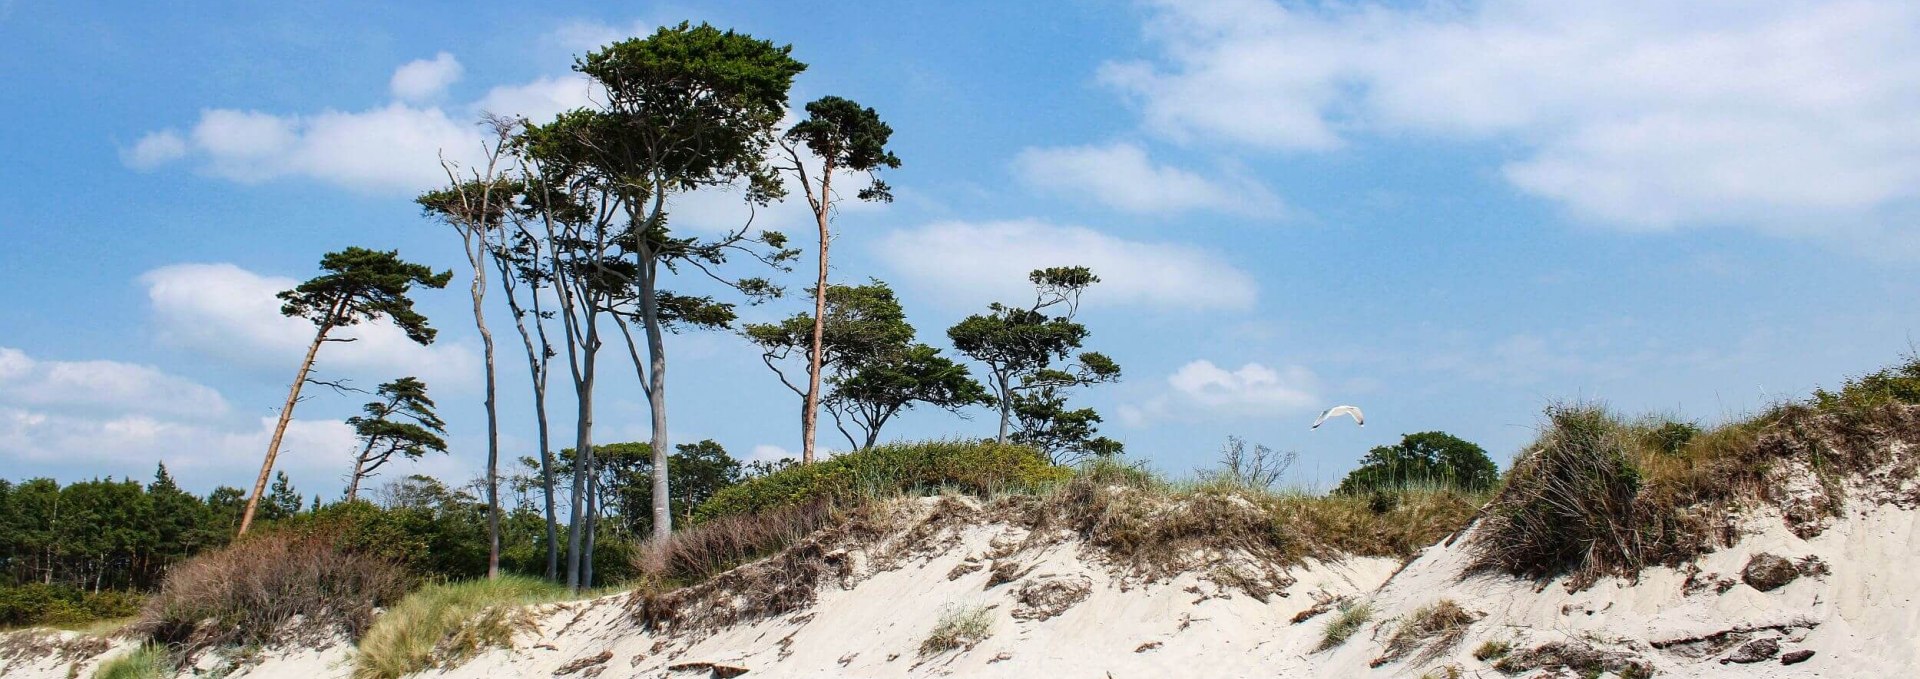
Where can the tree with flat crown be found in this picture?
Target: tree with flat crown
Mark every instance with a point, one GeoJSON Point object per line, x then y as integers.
{"type": "Point", "coordinates": [401, 422]}
{"type": "Point", "coordinates": [359, 285]}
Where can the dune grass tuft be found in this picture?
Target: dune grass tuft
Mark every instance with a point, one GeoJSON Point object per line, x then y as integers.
{"type": "Point", "coordinates": [1346, 620]}
{"type": "Point", "coordinates": [959, 627]}
{"type": "Point", "coordinates": [149, 661]}
{"type": "Point", "coordinates": [444, 624]}
{"type": "Point", "coordinates": [255, 591]}
{"type": "Point", "coordinates": [1432, 630]}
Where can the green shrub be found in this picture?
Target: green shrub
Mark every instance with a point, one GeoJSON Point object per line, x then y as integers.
{"type": "Point", "coordinates": [444, 624]}
{"type": "Point", "coordinates": [888, 469]}
{"type": "Point", "coordinates": [1895, 384]}
{"type": "Point", "coordinates": [61, 605]}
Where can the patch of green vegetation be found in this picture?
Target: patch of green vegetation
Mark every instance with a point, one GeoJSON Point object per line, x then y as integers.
{"type": "Point", "coordinates": [149, 661]}
{"type": "Point", "coordinates": [450, 622]}
{"type": "Point", "coordinates": [889, 470]}
{"type": "Point", "coordinates": [1346, 620]}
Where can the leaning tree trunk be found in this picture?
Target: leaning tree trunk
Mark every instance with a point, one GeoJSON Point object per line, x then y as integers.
{"type": "Point", "coordinates": [286, 416]}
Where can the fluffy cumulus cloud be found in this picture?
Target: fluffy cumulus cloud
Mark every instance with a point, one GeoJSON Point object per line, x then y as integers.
{"type": "Point", "coordinates": [1790, 116]}
{"type": "Point", "coordinates": [425, 80]}
{"type": "Point", "coordinates": [394, 148]}
{"type": "Point", "coordinates": [102, 385]}
{"type": "Point", "coordinates": [99, 417]}
{"type": "Point", "coordinates": [230, 312]}
{"type": "Point", "coordinates": [1203, 388]}
{"type": "Point", "coordinates": [1121, 176]}
{"type": "Point", "coordinates": [967, 263]}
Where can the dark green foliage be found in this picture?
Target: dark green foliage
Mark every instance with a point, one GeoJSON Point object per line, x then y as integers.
{"type": "Point", "coordinates": [690, 106]}
{"type": "Point", "coordinates": [41, 604]}
{"type": "Point", "coordinates": [871, 366]}
{"type": "Point", "coordinates": [887, 469]}
{"type": "Point", "coordinates": [623, 477]}
{"type": "Point", "coordinates": [282, 501]}
{"type": "Point", "coordinates": [1426, 458]}
{"type": "Point", "coordinates": [864, 323]}
{"type": "Point", "coordinates": [1672, 437]}
{"type": "Point", "coordinates": [849, 138]}
{"type": "Point", "coordinates": [873, 393]}
{"type": "Point", "coordinates": [1030, 357]}
{"type": "Point", "coordinates": [402, 422]}
{"type": "Point", "coordinates": [363, 285]}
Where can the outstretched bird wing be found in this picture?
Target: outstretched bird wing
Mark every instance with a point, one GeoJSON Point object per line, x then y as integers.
{"type": "Point", "coordinates": [1337, 411]}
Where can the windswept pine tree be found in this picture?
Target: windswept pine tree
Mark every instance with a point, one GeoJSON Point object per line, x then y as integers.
{"type": "Point", "coordinates": [359, 285]}
{"type": "Point", "coordinates": [401, 422]}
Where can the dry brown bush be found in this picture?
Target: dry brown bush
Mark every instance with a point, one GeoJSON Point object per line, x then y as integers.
{"type": "Point", "coordinates": [270, 588]}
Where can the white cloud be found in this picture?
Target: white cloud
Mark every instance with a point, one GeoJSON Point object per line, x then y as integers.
{"type": "Point", "coordinates": [425, 80]}
{"type": "Point", "coordinates": [102, 386]}
{"type": "Point", "coordinates": [154, 149]}
{"type": "Point", "coordinates": [769, 453]}
{"type": "Point", "coordinates": [394, 148]}
{"type": "Point", "coordinates": [542, 99]}
{"type": "Point", "coordinates": [229, 312]}
{"type": "Point", "coordinates": [1795, 117]}
{"type": "Point", "coordinates": [1201, 388]}
{"type": "Point", "coordinates": [1121, 176]}
{"type": "Point", "coordinates": [974, 263]}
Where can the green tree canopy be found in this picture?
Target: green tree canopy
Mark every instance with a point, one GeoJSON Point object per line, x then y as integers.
{"type": "Point", "coordinates": [1430, 457]}
{"type": "Point", "coordinates": [1030, 357]}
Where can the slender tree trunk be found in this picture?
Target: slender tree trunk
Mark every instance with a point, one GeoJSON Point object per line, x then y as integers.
{"type": "Point", "coordinates": [359, 470]}
{"type": "Point", "coordinates": [477, 257]}
{"type": "Point", "coordinates": [583, 452]}
{"type": "Point", "coordinates": [1006, 407]}
{"type": "Point", "coordinates": [810, 413]}
{"type": "Point", "coordinates": [537, 365]}
{"type": "Point", "coordinates": [286, 416]}
{"type": "Point", "coordinates": [656, 399]}
{"type": "Point", "coordinates": [593, 529]}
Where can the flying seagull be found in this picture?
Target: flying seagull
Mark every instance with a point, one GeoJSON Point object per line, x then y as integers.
{"type": "Point", "coordinates": [1337, 411]}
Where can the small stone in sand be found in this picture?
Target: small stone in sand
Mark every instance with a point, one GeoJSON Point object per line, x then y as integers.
{"type": "Point", "coordinates": [1768, 572]}
{"type": "Point", "coordinates": [1796, 657]}
{"type": "Point", "coordinates": [1754, 651]}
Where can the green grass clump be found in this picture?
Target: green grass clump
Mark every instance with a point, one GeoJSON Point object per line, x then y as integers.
{"type": "Point", "coordinates": [1346, 620]}
{"type": "Point", "coordinates": [149, 661]}
{"type": "Point", "coordinates": [448, 623]}
{"type": "Point", "coordinates": [1492, 649]}
{"type": "Point", "coordinates": [980, 468]}
{"type": "Point", "coordinates": [958, 628]}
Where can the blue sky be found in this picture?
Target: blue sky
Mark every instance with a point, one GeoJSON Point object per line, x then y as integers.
{"type": "Point", "coordinates": [1449, 214]}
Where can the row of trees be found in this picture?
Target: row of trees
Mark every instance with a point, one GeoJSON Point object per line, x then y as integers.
{"type": "Point", "coordinates": [570, 221]}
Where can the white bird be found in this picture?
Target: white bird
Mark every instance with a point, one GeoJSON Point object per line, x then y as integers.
{"type": "Point", "coordinates": [1337, 411]}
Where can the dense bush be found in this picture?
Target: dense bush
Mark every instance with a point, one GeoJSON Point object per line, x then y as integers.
{"type": "Point", "coordinates": [966, 466]}
{"type": "Point", "coordinates": [250, 592]}
{"type": "Point", "coordinates": [42, 604]}
{"type": "Point", "coordinates": [1568, 504]}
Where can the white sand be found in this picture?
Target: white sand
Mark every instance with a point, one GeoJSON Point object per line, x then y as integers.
{"type": "Point", "coordinates": [1861, 619]}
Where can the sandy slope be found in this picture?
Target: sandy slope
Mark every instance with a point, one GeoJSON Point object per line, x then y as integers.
{"type": "Point", "coordinates": [1063, 615]}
